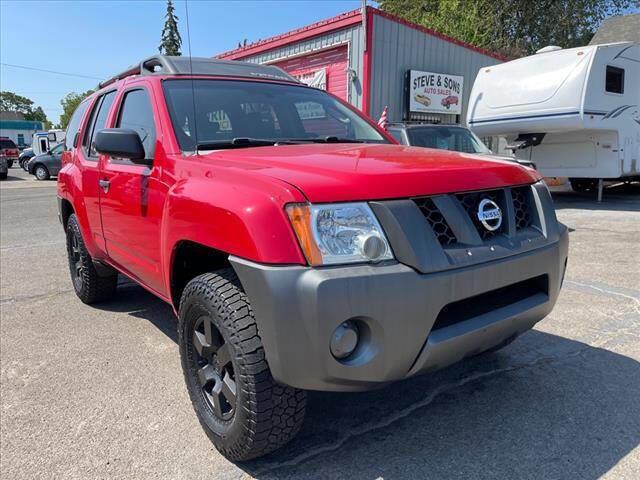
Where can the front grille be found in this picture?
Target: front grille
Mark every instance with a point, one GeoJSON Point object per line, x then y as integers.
{"type": "Point", "coordinates": [438, 223]}
{"type": "Point", "coordinates": [477, 305]}
{"type": "Point", "coordinates": [470, 202]}
{"type": "Point", "coordinates": [521, 198]}
{"type": "Point", "coordinates": [521, 206]}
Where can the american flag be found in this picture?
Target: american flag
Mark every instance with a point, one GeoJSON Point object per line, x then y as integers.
{"type": "Point", "coordinates": [382, 123]}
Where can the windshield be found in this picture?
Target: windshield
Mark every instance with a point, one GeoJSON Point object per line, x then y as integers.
{"type": "Point", "coordinates": [458, 139]}
{"type": "Point", "coordinates": [230, 112]}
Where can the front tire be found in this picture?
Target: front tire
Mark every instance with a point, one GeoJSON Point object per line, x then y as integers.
{"type": "Point", "coordinates": [90, 287]}
{"type": "Point", "coordinates": [243, 411]}
{"type": "Point", "coordinates": [41, 172]}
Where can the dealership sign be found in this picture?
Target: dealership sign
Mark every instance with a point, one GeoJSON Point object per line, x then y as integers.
{"type": "Point", "coordinates": [434, 92]}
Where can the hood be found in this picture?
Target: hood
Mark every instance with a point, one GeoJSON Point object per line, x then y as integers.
{"type": "Point", "coordinates": [351, 172]}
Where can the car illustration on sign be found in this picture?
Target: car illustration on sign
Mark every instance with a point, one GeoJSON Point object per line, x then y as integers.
{"type": "Point", "coordinates": [423, 99]}
{"type": "Point", "coordinates": [450, 100]}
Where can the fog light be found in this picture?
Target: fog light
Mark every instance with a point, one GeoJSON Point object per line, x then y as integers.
{"type": "Point", "coordinates": [371, 246]}
{"type": "Point", "coordinates": [344, 340]}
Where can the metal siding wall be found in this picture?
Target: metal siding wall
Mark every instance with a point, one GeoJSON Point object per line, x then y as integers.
{"type": "Point", "coordinates": [398, 48]}
{"type": "Point", "coordinates": [353, 35]}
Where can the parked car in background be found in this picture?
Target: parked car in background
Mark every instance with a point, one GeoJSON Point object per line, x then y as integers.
{"type": "Point", "coordinates": [26, 155]}
{"type": "Point", "coordinates": [452, 137]}
{"type": "Point", "coordinates": [48, 164]}
{"type": "Point", "coordinates": [4, 169]}
{"type": "Point", "coordinates": [9, 151]}
{"type": "Point", "coordinates": [300, 252]}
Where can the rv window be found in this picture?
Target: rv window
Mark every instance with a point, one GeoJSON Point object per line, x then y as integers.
{"type": "Point", "coordinates": [615, 80]}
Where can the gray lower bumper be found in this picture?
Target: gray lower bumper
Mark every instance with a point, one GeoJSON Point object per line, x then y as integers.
{"type": "Point", "coordinates": [298, 308]}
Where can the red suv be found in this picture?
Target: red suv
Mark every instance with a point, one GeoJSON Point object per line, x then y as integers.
{"type": "Point", "coordinates": [9, 151]}
{"type": "Point", "coordinates": [299, 246]}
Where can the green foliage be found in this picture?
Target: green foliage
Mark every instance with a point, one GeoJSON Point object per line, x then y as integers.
{"type": "Point", "coordinates": [69, 104]}
{"type": "Point", "coordinates": [170, 41]}
{"type": "Point", "coordinates": [11, 102]}
{"type": "Point", "coordinates": [511, 27]}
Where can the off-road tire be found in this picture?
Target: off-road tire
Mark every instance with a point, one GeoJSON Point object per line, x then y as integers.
{"type": "Point", "coordinates": [266, 414]}
{"type": "Point", "coordinates": [44, 172]}
{"type": "Point", "coordinates": [90, 287]}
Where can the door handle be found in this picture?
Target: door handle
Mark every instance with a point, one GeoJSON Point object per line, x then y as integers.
{"type": "Point", "coordinates": [104, 185]}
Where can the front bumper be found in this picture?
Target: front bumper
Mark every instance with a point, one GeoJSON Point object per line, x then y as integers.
{"type": "Point", "coordinates": [298, 308]}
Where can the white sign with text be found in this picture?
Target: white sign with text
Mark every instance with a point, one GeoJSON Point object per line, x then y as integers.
{"type": "Point", "coordinates": [431, 92]}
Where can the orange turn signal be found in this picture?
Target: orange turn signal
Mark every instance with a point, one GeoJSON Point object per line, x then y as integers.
{"type": "Point", "coordinates": [300, 217]}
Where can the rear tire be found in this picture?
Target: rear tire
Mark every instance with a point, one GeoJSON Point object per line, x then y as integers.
{"type": "Point", "coordinates": [41, 172]}
{"type": "Point", "coordinates": [90, 287]}
{"type": "Point", "coordinates": [583, 185]}
{"type": "Point", "coordinates": [9, 163]}
{"type": "Point", "coordinates": [243, 411]}
{"type": "Point", "coordinates": [3, 176]}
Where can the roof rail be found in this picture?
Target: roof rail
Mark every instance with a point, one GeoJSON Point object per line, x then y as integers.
{"type": "Point", "coordinates": [147, 66]}
{"type": "Point", "coordinates": [170, 65]}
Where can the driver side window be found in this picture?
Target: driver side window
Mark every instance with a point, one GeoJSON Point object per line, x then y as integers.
{"type": "Point", "coordinates": [136, 114]}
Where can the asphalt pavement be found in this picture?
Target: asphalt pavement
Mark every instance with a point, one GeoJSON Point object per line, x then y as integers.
{"type": "Point", "coordinates": [97, 392]}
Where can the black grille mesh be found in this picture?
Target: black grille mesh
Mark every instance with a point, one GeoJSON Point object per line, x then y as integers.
{"type": "Point", "coordinates": [438, 223]}
{"type": "Point", "coordinates": [521, 207]}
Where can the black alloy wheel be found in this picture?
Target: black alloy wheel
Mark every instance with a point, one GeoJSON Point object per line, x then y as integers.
{"type": "Point", "coordinates": [215, 370]}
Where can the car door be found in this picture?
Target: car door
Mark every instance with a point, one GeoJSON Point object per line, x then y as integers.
{"type": "Point", "coordinates": [54, 160]}
{"type": "Point", "coordinates": [133, 196]}
{"type": "Point", "coordinates": [87, 159]}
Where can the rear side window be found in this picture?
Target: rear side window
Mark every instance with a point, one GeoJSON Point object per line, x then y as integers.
{"type": "Point", "coordinates": [136, 114]}
{"type": "Point", "coordinates": [397, 135]}
{"type": "Point", "coordinates": [98, 121]}
{"type": "Point", "coordinates": [74, 125]}
{"type": "Point", "coordinates": [614, 80]}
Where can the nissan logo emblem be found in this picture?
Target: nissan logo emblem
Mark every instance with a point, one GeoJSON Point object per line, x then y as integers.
{"type": "Point", "coordinates": [489, 214]}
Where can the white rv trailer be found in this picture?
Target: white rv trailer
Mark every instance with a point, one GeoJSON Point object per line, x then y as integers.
{"type": "Point", "coordinates": [575, 113]}
{"type": "Point", "coordinates": [45, 141]}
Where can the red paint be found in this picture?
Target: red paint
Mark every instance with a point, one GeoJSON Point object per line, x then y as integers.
{"type": "Point", "coordinates": [338, 22]}
{"type": "Point", "coordinates": [334, 61]}
{"type": "Point", "coordinates": [366, 69]}
{"type": "Point", "coordinates": [233, 200]}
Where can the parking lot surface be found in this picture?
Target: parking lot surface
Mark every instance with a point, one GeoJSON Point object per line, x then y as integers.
{"type": "Point", "coordinates": [97, 392]}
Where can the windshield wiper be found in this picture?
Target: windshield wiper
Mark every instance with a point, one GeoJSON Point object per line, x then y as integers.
{"type": "Point", "coordinates": [329, 139]}
{"type": "Point", "coordinates": [243, 142]}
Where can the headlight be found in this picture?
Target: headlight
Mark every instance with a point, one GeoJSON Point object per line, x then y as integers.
{"type": "Point", "coordinates": [339, 233]}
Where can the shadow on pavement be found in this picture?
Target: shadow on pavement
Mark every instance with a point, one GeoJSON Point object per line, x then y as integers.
{"type": "Point", "coordinates": [137, 302]}
{"type": "Point", "coordinates": [544, 407]}
{"type": "Point", "coordinates": [618, 197]}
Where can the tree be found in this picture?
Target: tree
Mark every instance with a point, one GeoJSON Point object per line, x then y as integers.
{"type": "Point", "coordinates": [11, 102]}
{"type": "Point", "coordinates": [170, 41]}
{"type": "Point", "coordinates": [69, 104]}
{"type": "Point", "coordinates": [511, 27]}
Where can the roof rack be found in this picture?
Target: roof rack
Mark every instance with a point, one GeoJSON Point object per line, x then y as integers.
{"type": "Point", "coordinates": [172, 65]}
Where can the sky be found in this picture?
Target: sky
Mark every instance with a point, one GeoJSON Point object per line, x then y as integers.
{"type": "Point", "coordinates": [99, 38]}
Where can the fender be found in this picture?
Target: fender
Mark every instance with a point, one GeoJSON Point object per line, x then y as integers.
{"type": "Point", "coordinates": [70, 189]}
{"type": "Point", "coordinates": [241, 216]}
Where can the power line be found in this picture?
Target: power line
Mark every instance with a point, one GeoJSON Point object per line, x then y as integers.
{"type": "Point", "coordinates": [49, 71]}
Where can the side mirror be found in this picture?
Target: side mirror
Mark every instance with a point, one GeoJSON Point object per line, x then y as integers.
{"type": "Point", "coordinates": [121, 143]}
